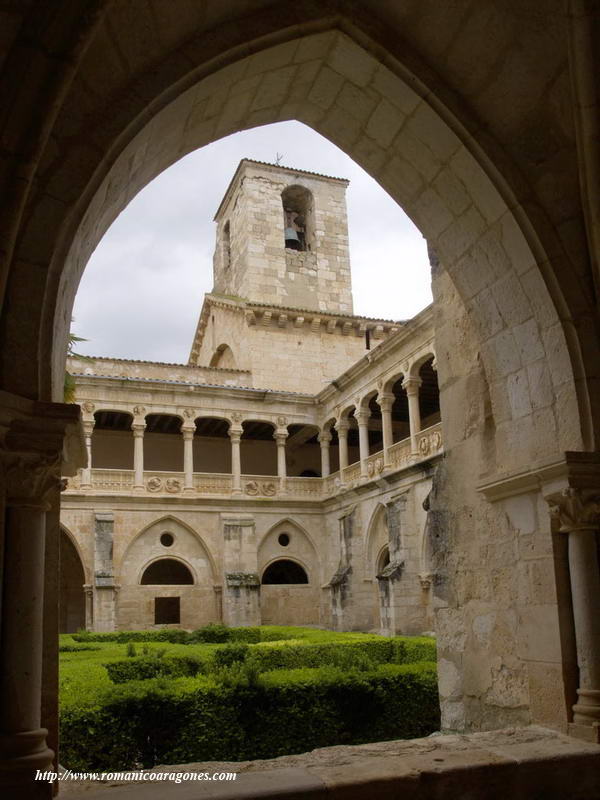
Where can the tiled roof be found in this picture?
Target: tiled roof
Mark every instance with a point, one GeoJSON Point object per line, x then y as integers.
{"type": "Point", "coordinates": [157, 363]}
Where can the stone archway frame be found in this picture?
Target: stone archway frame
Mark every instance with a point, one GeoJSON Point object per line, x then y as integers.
{"type": "Point", "coordinates": [87, 573]}
{"type": "Point", "coordinates": [368, 562]}
{"type": "Point", "coordinates": [292, 524]}
{"type": "Point", "coordinates": [407, 139]}
{"type": "Point", "coordinates": [195, 534]}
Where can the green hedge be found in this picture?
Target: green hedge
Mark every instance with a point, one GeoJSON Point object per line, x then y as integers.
{"type": "Point", "coordinates": [210, 634]}
{"type": "Point", "coordinates": [76, 648]}
{"type": "Point", "coordinates": [146, 667]}
{"type": "Point", "coordinates": [193, 719]}
{"type": "Point", "coordinates": [344, 655]}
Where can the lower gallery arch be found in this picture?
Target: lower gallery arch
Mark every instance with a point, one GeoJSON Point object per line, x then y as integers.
{"type": "Point", "coordinates": [72, 593]}
{"type": "Point", "coordinates": [167, 577]}
{"type": "Point", "coordinates": [287, 563]}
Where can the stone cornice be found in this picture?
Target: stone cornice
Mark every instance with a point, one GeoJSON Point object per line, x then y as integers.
{"type": "Point", "coordinates": [576, 470]}
{"type": "Point", "coordinates": [274, 316]}
{"type": "Point", "coordinates": [224, 393]}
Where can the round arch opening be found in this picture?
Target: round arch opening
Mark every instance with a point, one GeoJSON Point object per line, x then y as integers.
{"type": "Point", "coordinates": [167, 572]}
{"type": "Point", "coordinates": [284, 571]}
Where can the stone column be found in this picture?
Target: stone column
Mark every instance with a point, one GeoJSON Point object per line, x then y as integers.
{"type": "Point", "coordinates": [30, 481]}
{"type": "Point", "coordinates": [578, 515]}
{"type": "Point", "coordinates": [325, 440]}
{"type": "Point", "coordinates": [385, 402]}
{"type": "Point", "coordinates": [138, 429]}
{"type": "Point", "coordinates": [280, 436]}
{"type": "Point", "coordinates": [412, 386]}
{"type": "Point", "coordinates": [38, 441]}
{"type": "Point", "coordinates": [362, 417]}
{"type": "Point", "coordinates": [86, 472]}
{"type": "Point", "coordinates": [88, 590]}
{"type": "Point", "coordinates": [342, 427]}
{"type": "Point", "coordinates": [188, 459]}
{"type": "Point", "coordinates": [235, 435]}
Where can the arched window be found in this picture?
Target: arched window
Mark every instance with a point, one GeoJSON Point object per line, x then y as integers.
{"type": "Point", "coordinates": [297, 217]}
{"type": "Point", "coordinates": [167, 571]}
{"type": "Point", "coordinates": [284, 571]}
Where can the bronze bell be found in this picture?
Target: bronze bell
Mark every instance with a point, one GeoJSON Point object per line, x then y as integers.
{"type": "Point", "coordinates": [291, 239]}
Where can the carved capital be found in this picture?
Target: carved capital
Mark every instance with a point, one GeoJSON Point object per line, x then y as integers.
{"type": "Point", "coordinates": [362, 417]}
{"type": "Point", "coordinates": [324, 438]}
{"type": "Point", "coordinates": [342, 426]}
{"type": "Point", "coordinates": [576, 509]}
{"type": "Point", "coordinates": [235, 434]}
{"type": "Point", "coordinates": [385, 401]}
{"type": "Point", "coordinates": [280, 435]}
{"type": "Point", "coordinates": [31, 478]}
{"type": "Point", "coordinates": [138, 429]}
{"type": "Point", "coordinates": [411, 385]}
{"type": "Point", "coordinates": [188, 433]}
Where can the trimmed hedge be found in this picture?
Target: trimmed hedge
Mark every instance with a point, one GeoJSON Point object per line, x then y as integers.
{"type": "Point", "coordinates": [344, 655]}
{"type": "Point", "coordinates": [210, 634]}
{"type": "Point", "coordinates": [193, 719]}
{"type": "Point", "coordinates": [147, 667]}
{"type": "Point", "coordinates": [77, 648]}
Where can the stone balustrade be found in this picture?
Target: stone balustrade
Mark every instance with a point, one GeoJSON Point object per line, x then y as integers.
{"type": "Point", "coordinates": [122, 481]}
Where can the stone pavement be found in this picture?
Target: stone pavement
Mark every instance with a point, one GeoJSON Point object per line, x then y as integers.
{"type": "Point", "coordinates": [520, 764]}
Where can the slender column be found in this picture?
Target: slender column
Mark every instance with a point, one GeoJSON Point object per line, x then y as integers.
{"type": "Point", "coordinates": [280, 436]}
{"type": "Point", "coordinates": [362, 417]}
{"type": "Point", "coordinates": [188, 459]}
{"type": "Point", "coordinates": [138, 455]}
{"type": "Point", "coordinates": [342, 427]}
{"type": "Point", "coordinates": [88, 590]}
{"type": "Point", "coordinates": [578, 513]}
{"type": "Point", "coordinates": [235, 435]}
{"type": "Point", "coordinates": [86, 472]}
{"type": "Point", "coordinates": [385, 402]}
{"type": "Point", "coordinates": [411, 386]}
{"type": "Point", "coordinates": [325, 440]}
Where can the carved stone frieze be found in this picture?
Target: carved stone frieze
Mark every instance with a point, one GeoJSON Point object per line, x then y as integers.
{"type": "Point", "coordinates": [266, 488]}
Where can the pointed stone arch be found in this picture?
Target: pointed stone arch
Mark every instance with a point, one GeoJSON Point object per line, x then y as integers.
{"type": "Point", "coordinates": [197, 603]}
{"type": "Point", "coordinates": [73, 577]}
{"type": "Point", "coordinates": [376, 539]}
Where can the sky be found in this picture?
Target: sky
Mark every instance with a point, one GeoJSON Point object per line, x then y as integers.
{"type": "Point", "coordinates": [141, 292]}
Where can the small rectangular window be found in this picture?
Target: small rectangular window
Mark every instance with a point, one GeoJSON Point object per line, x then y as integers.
{"type": "Point", "coordinates": [167, 611]}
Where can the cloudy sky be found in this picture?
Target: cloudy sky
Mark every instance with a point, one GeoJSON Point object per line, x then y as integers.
{"type": "Point", "coordinates": [142, 290]}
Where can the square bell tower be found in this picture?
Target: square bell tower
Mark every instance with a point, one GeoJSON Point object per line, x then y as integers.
{"type": "Point", "coordinates": [282, 239]}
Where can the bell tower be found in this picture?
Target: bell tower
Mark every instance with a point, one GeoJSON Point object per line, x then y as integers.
{"type": "Point", "coordinates": [282, 239]}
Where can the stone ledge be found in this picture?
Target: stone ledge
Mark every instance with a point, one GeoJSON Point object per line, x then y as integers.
{"type": "Point", "coordinates": [518, 763]}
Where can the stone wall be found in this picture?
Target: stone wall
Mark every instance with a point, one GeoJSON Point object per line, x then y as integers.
{"type": "Point", "coordinates": [259, 266]}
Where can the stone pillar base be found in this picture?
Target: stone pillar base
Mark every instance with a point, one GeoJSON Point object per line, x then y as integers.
{"type": "Point", "coordinates": [586, 710]}
{"type": "Point", "coordinates": [586, 733]}
{"type": "Point", "coordinates": [22, 755]}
